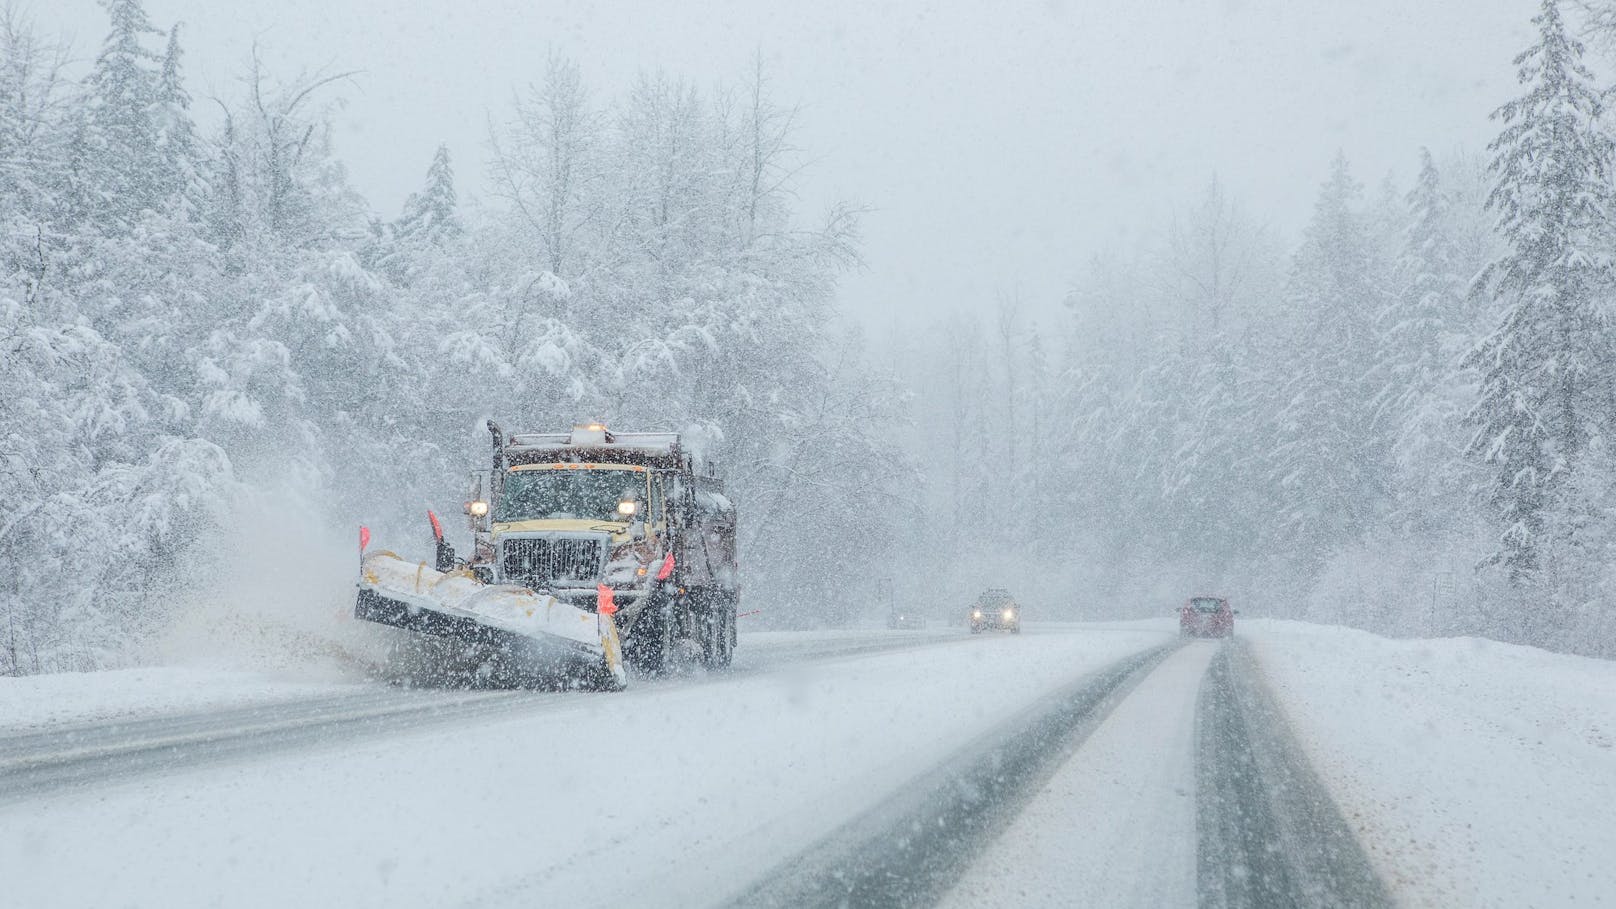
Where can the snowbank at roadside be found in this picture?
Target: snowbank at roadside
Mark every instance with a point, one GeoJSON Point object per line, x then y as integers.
{"type": "Point", "coordinates": [37, 701]}
{"type": "Point", "coordinates": [1475, 773]}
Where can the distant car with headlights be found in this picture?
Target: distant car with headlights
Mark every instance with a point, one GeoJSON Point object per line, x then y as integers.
{"type": "Point", "coordinates": [905, 618]}
{"type": "Point", "coordinates": [995, 609]}
{"type": "Point", "coordinates": [1206, 617]}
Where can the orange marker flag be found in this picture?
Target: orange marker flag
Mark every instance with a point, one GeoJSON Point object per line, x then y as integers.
{"type": "Point", "coordinates": [605, 602]}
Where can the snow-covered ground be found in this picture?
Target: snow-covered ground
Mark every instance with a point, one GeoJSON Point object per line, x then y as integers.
{"type": "Point", "coordinates": [671, 794]}
{"type": "Point", "coordinates": [1474, 773]}
{"type": "Point", "coordinates": [43, 701]}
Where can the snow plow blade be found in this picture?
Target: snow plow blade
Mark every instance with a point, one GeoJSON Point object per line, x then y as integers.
{"type": "Point", "coordinates": [549, 640]}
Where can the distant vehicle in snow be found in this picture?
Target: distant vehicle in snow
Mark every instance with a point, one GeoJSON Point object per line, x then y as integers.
{"type": "Point", "coordinates": [897, 616]}
{"type": "Point", "coordinates": [905, 618]}
{"type": "Point", "coordinates": [995, 609]}
{"type": "Point", "coordinates": [1206, 617]}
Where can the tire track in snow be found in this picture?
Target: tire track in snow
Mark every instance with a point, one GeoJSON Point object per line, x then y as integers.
{"type": "Point", "coordinates": [1268, 831]}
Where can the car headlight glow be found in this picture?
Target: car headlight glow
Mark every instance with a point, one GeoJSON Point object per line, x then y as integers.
{"type": "Point", "coordinates": [1009, 614]}
{"type": "Point", "coordinates": [977, 614]}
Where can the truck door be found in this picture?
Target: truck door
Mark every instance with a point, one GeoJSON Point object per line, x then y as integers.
{"type": "Point", "coordinates": [656, 518]}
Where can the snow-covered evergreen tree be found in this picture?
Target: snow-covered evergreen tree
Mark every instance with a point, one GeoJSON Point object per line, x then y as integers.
{"type": "Point", "coordinates": [1423, 333]}
{"type": "Point", "coordinates": [118, 172]}
{"type": "Point", "coordinates": [179, 151]}
{"type": "Point", "coordinates": [431, 215]}
{"type": "Point", "coordinates": [429, 221]}
{"type": "Point", "coordinates": [1545, 395]}
{"type": "Point", "coordinates": [1330, 451]}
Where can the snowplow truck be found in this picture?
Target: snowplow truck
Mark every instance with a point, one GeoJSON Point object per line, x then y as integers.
{"type": "Point", "coordinates": [612, 522]}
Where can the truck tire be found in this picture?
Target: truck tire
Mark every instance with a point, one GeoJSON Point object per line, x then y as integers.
{"type": "Point", "coordinates": [730, 635]}
{"type": "Point", "coordinates": [717, 629]}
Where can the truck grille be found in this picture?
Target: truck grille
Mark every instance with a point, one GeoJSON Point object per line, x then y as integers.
{"type": "Point", "coordinates": [543, 562]}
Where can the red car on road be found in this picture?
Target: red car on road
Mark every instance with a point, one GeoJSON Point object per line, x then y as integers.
{"type": "Point", "coordinates": [1206, 617]}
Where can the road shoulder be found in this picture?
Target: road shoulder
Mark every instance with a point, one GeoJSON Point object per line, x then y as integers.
{"type": "Point", "coordinates": [1269, 831]}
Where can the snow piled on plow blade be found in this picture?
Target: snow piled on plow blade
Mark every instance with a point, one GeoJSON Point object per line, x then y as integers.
{"type": "Point", "coordinates": [551, 638]}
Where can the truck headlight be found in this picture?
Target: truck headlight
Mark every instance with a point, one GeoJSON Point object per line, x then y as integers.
{"type": "Point", "coordinates": [1009, 614]}
{"type": "Point", "coordinates": [976, 614]}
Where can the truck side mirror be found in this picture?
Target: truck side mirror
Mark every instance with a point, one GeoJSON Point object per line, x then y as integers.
{"type": "Point", "coordinates": [479, 499]}
{"type": "Point", "coordinates": [444, 554]}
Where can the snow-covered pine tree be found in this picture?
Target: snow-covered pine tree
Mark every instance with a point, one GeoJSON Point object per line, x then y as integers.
{"type": "Point", "coordinates": [429, 220]}
{"type": "Point", "coordinates": [430, 214]}
{"type": "Point", "coordinates": [1330, 451]}
{"type": "Point", "coordinates": [1421, 330]}
{"type": "Point", "coordinates": [1544, 371]}
{"type": "Point", "coordinates": [179, 150]}
{"type": "Point", "coordinates": [1217, 263]}
{"type": "Point", "coordinates": [117, 169]}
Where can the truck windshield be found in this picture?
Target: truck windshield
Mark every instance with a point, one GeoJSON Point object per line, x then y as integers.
{"type": "Point", "coordinates": [588, 495]}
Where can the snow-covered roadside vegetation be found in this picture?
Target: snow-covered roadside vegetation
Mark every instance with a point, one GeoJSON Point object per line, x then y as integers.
{"type": "Point", "coordinates": [1404, 421]}
{"type": "Point", "coordinates": [195, 318]}
{"type": "Point", "coordinates": [1400, 420]}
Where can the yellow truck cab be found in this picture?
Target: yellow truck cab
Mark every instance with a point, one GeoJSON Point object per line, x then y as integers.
{"type": "Point", "coordinates": [621, 522]}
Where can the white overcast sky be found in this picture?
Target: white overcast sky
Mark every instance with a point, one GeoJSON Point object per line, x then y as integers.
{"type": "Point", "coordinates": [998, 144]}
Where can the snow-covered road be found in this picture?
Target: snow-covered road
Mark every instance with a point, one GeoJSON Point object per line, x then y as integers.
{"type": "Point", "coordinates": [1115, 826]}
{"type": "Point", "coordinates": [68, 731]}
{"type": "Point", "coordinates": [1072, 765]}
{"type": "Point", "coordinates": [674, 793]}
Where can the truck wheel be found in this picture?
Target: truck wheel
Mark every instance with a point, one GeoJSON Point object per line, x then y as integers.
{"type": "Point", "coordinates": [732, 636]}
{"type": "Point", "coordinates": [650, 642]}
{"type": "Point", "coordinates": [717, 633]}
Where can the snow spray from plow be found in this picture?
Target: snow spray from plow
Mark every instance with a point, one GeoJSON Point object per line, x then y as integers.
{"type": "Point", "coordinates": [548, 640]}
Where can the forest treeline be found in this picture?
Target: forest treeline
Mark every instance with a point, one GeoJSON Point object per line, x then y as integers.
{"type": "Point", "coordinates": [188, 312]}
{"type": "Point", "coordinates": [1405, 421]}
{"type": "Point", "coordinates": [1402, 420]}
